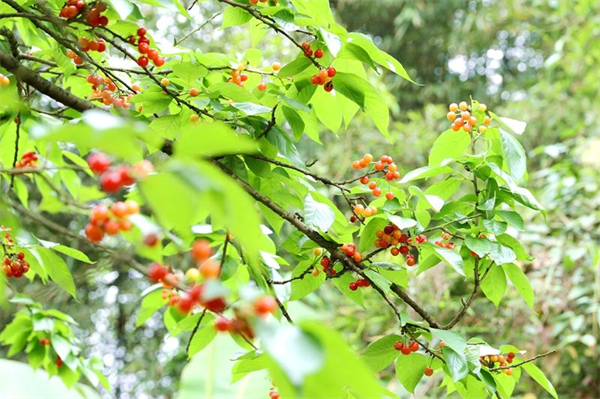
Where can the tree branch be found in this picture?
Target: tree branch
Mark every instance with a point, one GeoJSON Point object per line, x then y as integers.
{"type": "Point", "coordinates": [523, 362]}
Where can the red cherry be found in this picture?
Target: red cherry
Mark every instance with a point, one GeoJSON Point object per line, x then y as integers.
{"type": "Point", "coordinates": [99, 162]}
{"type": "Point", "coordinates": [222, 324]}
{"type": "Point", "coordinates": [414, 346]}
{"type": "Point", "coordinates": [44, 341]}
{"type": "Point", "coordinates": [157, 272]}
{"type": "Point", "coordinates": [428, 371]}
{"type": "Point", "coordinates": [406, 350]}
{"type": "Point", "coordinates": [216, 305]}
{"type": "Point", "coordinates": [143, 61]}
{"type": "Point", "coordinates": [316, 80]}
{"type": "Point", "coordinates": [398, 345]}
{"type": "Point", "coordinates": [328, 86]}
{"type": "Point", "coordinates": [389, 195]}
{"type": "Point", "coordinates": [201, 250]}
{"type": "Point", "coordinates": [111, 227]}
{"type": "Point", "coordinates": [119, 209]}
{"type": "Point", "coordinates": [143, 48]}
{"type": "Point", "coordinates": [159, 61]}
{"type": "Point", "coordinates": [331, 72]}
{"type": "Point", "coordinates": [103, 21]}
{"type": "Point", "coordinates": [152, 54]}
{"type": "Point", "coordinates": [94, 233]}
{"type": "Point", "coordinates": [394, 251]}
{"type": "Point", "coordinates": [265, 305]}
{"type": "Point", "coordinates": [319, 53]}
{"type": "Point", "coordinates": [141, 31]}
{"type": "Point", "coordinates": [110, 181]}
{"type": "Point", "coordinates": [376, 192]}
{"type": "Point", "coordinates": [124, 173]}
{"type": "Point", "coordinates": [353, 286]}
{"type": "Point", "coordinates": [404, 249]}
{"type": "Point", "coordinates": [151, 239]}
{"type": "Point", "coordinates": [101, 45]}
{"type": "Point", "coordinates": [143, 39]}
{"type": "Point", "coordinates": [185, 304]}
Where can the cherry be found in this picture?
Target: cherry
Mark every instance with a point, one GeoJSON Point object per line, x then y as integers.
{"type": "Point", "coordinates": [414, 346]}
{"type": "Point", "coordinates": [210, 269]}
{"type": "Point", "coordinates": [265, 305]}
{"type": "Point", "coordinates": [185, 304]}
{"type": "Point", "coordinates": [111, 227]}
{"type": "Point", "coordinates": [58, 361]}
{"type": "Point", "coordinates": [222, 324]}
{"type": "Point", "coordinates": [379, 166]}
{"type": "Point", "coordinates": [44, 341]}
{"type": "Point", "coordinates": [428, 371]}
{"type": "Point", "coordinates": [319, 53]}
{"type": "Point", "coordinates": [151, 239]}
{"type": "Point", "coordinates": [331, 72]}
{"type": "Point", "coordinates": [193, 92]}
{"type": "Point", "coordinates": [201, 250]}
{"type": "Point", "coordinates": [482, 107]}
{"type": "Point", "coordinates": [509, 372]}
{"type": "Point", "coordinates": [125, 175]}
{"type": "Point", "coordinates": [101, 45]}
{"type": "Point", "coordinates": [389, 195]}
{"type": "Point", "coordinates": [463, 106]}
{"type": "Point", "coordinates": [141, 31]}
{"type": "Point", "coordinates": [410, 260]}
{"type": "Point", "coordinates": [328, 87]}
{"type": "Point", "coordinates": [262, 86]}
{"type": "Point", "coordinates": [143, 48]}
{"type": "Point", "coordinates": [353, 286]}
{"type": "Point", "coordinates": [325, 262]}
{"type": "Point", "coordinates": [453, 107]}
{"type": "Point", "coordinates": [194, 117]}
{"type": "Point", "coordinates": [132, 207]}
{"type": "Point", "coordinates": [157, 272]}
{"type": "Point", "coordinates": [373, 185]}
{"type": "Point", "coordinates": [394, 251]}
{"type": "Point", "coordinates": [357, 257]}
{"type": "Point", "coordinates": [164, 82]}
{"type": "Point", "coordinates": [99, 162]}
{"type": "Point", "coordinates": [119, 209]}
{"type": "Point", "coordinates": [451, 116]}
{"type": "Point", "coordinates": [398, 345]}
{"type": "Point", "coordinates": [276, 66]}
{"type": "Point", "coordinates": [103, 21]}
{"type": "Point", "coordinates": [143, 61]}
{"type": "Point", "coordinates": [21, 256]}
{"type": "Point", "coordinates": [93, 233]}
{"type": "Point", "coordinates": [363, 282]}
{"type": "Point", "coordinates": [406, 350]}
{"type": "Point", "coordinates": [376, 192]}
{"type": "Point", "coordinates": [306, 45]}
{"type": "Point", "coordinates": [158, 61]}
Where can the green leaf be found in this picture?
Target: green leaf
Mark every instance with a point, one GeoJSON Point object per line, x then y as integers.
{"type": "Point", "coordinates": [188, 72]}
{"type": "Point", "coordinates": [150, 304]}
{"type": "Point", "coordinates": [456, 363]}
{"type": "Point", "coordinates": [251, 108]}
{"type": "Point", "coordinates": [539, 377]}
{"type": "Point", "coordinates": [203, 336]}
{"type": "Point", "coordinates": [452, 339]}
{"type": "Point", "coordinates": [352, 51]}
{"type": "Point", "coordinates": [516, 246]}
{"type": "Point", "coordinates": [73, 253]}
{"type": "Point", "coordinates": [494, 285]}
{"type": "Point", "coordinates": [520, 281]}
{"type": "Point", "coordinates": [449, 144]}
{"type": "Point", "coordinates": [234, 16]}
{"type": "Point", "coordinates": [367, 235]}
{"type": "Point", "coordinates": [308, 284]}
{"type": "Point", "coordinates": [514, 155]}
{"type": "Point", "coordinates": [317, 214]}
{"type": "Point", "coordinates": [381, 353]}
{"type": "Point", "coordinates": [213, 139]}
{"type": "Point", "coordinates": [409, 370]}
{"type": "Point", "coordinates": [294, 67]}
{"type": "Point", "coordinates": [481, 246]}
{"type": "Point", "coordinates": [58, 271]}
{"type": "Point", "coordinates": [513, 218]}
{"type": "Point", "coordinates": [449, 256]}
{"type": "Point", "coordinates": [501, 254]}
{"type": "Point", "coordinates": [495, 227]}
{"type": "Point", "coordinates": [401, 222]}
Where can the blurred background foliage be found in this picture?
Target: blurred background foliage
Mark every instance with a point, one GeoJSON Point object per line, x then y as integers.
{"type": "Point", "coordinates": [531, 60]}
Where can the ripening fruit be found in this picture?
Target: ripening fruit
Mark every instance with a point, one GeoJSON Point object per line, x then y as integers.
{"type": "Point", "coordinates": [410, 260]}
{"type": "Point", "coordinates": [428, 371]}
{"type": "Point", "coordinates": [451, 116]}
{"type": "Point", "coordinates": [151, 240]}
{"type": "Point", "coordinates": [331, 72]}
{"type": "Point", "coordinates": [406, 350]}
{"type": "Point", "coordinates": [357, 257]}
{"type": "Point", "coordinates": [359, 209]}
{"type": "Point", "coordinates": [482, 107]}
{"type": "Point", "coordinates": [223, 325]}
{"type": "Point", "coordinates": [453, 107]}
{"type": "Point", "coordinates": [276, 66]}
{"type": "Point", "coordinates": [119, 209]}
{"type": "Point", "coordinates": [201, 250]}
{"type": "Point", "coordinates": [111, 181]}
{"type": "Point", "coordinates": [265, 305]}
{"type": "Point", "coordinates": [262, 86]}
{"type": "Point", "coordinates": [192, 275]}
{"type": "Point", "coordinates": [319, 53]}
{"type": "Point", "coordinates": [473, 121]}
{"type": "Point", "coordinates": [99, 214]}
{"type": "Point", "coordinates": [463, 106]}
{"type": "Point", "coordinates": [111, 227]}
{"type": "Point", "coordinates": [164, 81]}
{"type": "Point", "coordinates": [398, 345]}
{"type": "Point", "coordinates": [210, 269]}
{"type": "Point", "coordinates": [483, 128]}
{"type": "Point", "coordinates": [94, 233]}
{"type": "Point", "coordinates": [373, 185]}
{"type": "Point", "coordinates": [389, 195]}
{"type": "Point", "coordinates": [132, 207]}
{"type": "Point", "coordinates": [99, 162]}
{"type": "Point", "coordinates": [159, 61]}
{"type": "Point", "coordinates": [141, 31]}
{"type": "Point", "coordinates": [356, 165]}
{"type": "Point", "coordinates": [193, 92]}
{"type": "Point", "coordinates": [317, 251]}
{"type": "Point", "coordinates": [143, 61]}
{"type": "Point", "coordinates": [487, 120]}
{"type": "Point", "coordinates": [379, 166]}
{"type": "Point", "coordinates": [194, 117]}
{"type": "Point", "coordinates": [414, 346]}
{"type": "Point", "coordinates": [465, 115]}
{"type": "Point", "coordinates": [376, 192]}
{"type": "Point", "coordinates": [364, 179]}
{"type": "Point", "coordinates": [353, 286]}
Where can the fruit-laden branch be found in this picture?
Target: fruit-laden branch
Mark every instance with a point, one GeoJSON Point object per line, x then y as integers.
{"type": "Point", "coordinates": [42, 85]}
{"type": "Point", "coordinates": [271, 23]}
{"type": "Point", "coordinates": [330, 246]}
{"type": "Point", "coordinates": [523, 362]}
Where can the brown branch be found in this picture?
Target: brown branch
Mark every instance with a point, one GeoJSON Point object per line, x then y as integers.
{"type": "Point", "coordinates": [269, 22]}
{"type": "Point", "coordinates": [416, 307]}
{"type": "Point", "coordinates": [44, 86]}
{"type": "Point", "coordinates": [187, 347]}
{"type": "Point", "coordinates": [523, 362]}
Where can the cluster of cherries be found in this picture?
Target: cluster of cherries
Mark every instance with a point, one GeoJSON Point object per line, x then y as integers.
{"type": "Point", "coordinates": [400, 243]}
{"type": "Point", "coordinates": [255, 2]}
{"type": "Point", "coordinates": [110, 221]}
{"type": "Point", "coordinates": [27, 160]}
{"type": "Point", "coordinates": [445, 236]}
{"type": "Point", "coordinates": [350, 250]}
{"type": "Point", "coordinates": [324, 78]}
{"type": "Point", "coordinates": [318, 53]}
{"type": "Point", "coordinates": [461, 117]}
{"type": "Point", "coordinates": [147, 53]}
{"type": "Point", "coordinates": [103, 89]}
{"type": "Point", "coordinates": [491, 360]}
{"type": "Point", "coordinates": [15, 265]}
{"type": "Point", "coordinates": [361, 282]}
{"type": "Point", "coordinates": [86, 45]}
{"type": "Point", "coordinates": [237, 77]}
{"type": "Point", "coordinates": [262, 306]}
{"type": "Point", "coordinates": [362, 211]}
{"type": "Point", "coordinates": [4, 80]}
{"type": "Point", "coordinates": [413, 346]}
{"type": "Point", "coordinates": [384, 164]}
{"type": "Point", "coordinates": [113, 179]}
{"type": "Point", "coordinates": [93, 16]}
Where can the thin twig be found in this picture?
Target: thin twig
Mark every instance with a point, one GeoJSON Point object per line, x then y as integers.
{"type": "Point", "coordinates": [523, 362]}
